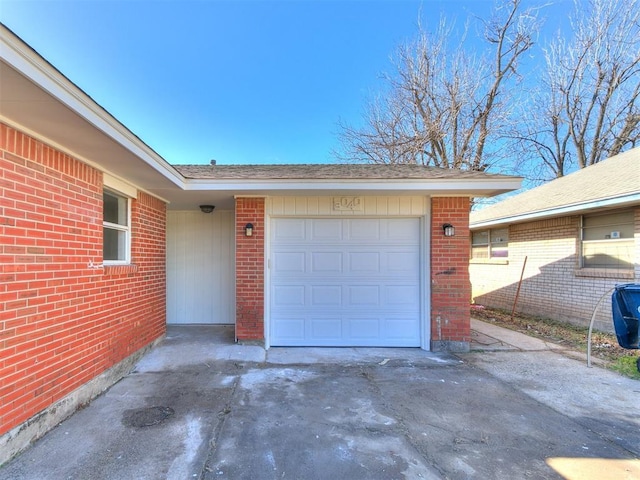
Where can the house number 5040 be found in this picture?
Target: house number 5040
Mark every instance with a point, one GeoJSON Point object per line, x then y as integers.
{"type": "Point", "coordinates": [347, 203]}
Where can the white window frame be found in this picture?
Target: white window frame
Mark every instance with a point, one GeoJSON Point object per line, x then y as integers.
{"type": "Point", "coordinates": [490, 245]}
{"type": "Point", "coordinates": [126, 229]}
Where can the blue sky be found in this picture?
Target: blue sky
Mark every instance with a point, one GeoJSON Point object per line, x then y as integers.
{"type": "Point", "coordinates": [237, 81]}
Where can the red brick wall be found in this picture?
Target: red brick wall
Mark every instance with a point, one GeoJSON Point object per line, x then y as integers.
{"type": "Point", "coordinates": [450, 285]}
{"type": "Point", "coordinates": [61, 322]}
{"type": "Point", "coordinates": [250, 269]}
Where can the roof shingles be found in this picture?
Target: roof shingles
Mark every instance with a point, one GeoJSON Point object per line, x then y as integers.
{"type": "Point", "coordinates": [615, 177]}
{"type": "Point", "coordinates": [328, 172]}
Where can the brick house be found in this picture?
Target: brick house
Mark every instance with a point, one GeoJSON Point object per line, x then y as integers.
{"type": "Point", "coordinates": [103, 242]}
{"type": "Point", "coordinates": [580, 235]}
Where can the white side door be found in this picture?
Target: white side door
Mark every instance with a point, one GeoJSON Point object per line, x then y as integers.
{"type": "Point", "coordinates": [200, 268]}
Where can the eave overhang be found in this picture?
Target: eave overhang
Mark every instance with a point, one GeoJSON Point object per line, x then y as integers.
{"type": "Point", "coordinates": [474, 188]}
{"type": "Point", "coordinates": [565, 210]}
{"type": "Point", "coordinates": [39, 100]}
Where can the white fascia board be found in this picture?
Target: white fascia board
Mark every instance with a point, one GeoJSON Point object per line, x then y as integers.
{"type": "Point", "coordinates": [25, 60]}
{"type": "Point", "coordinates": [440, 186]}
{"type": "Point", "coordinates": [560, 211]}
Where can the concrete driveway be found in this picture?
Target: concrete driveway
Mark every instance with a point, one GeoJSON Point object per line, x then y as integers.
{"type": "Point", "coordinates": [200, 407]}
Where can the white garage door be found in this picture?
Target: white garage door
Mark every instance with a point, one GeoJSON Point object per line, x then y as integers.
{"type": "Point", "coordinates": [345, 282]}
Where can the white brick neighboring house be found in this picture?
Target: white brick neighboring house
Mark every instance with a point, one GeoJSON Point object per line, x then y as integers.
{"type": "Point", "coordinates": [580, 234]}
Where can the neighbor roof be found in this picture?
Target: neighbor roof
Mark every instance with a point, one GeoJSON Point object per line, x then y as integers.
{"type": "Point", "coordinates": [612, 182]}
{"type": "Point", "coordinates": [329, 172]}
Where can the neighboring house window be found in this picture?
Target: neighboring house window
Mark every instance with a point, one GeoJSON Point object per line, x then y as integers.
{"type": "Point", "coordinates": [116, 228]}
{"type": "Point", "coordinates": [492, 243]}
{"type": "Point", "coordinates": [607, 240]}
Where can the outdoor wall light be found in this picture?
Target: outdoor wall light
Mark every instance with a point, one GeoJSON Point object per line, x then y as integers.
{"type": "Point", "coordinates": [449, 230]}
{"type": "Point", "coordinates": [207, 208]}
{"type": "Point", "coordinates": [248, 229]}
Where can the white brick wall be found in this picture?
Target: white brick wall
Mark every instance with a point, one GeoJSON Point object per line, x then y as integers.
{"type": "Point", "coordinates": [553, 286]}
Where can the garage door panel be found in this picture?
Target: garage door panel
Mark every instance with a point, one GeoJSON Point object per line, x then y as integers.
{"type": "Point", "coordinates": [401, 328]}
{"type": "Point", "coordinates": [404, 295]}
{"type": "Point", "coordinates": [290, 330]}
{"type": "Point", "coordinates": [348, 282]}
{"type": "Point", "coordinates": [326, 262]}
{"type": "Point", "coordinates": [289, 262]}
{"type": "Point", "coordinates": [363, 328]}
{"type": "Point", "coordinates": [326, 229]}
{"type": "Point", "coordinates": [402, 262]}
{"type": "Point", "coordinates": [329, 330]}
{"type": "Point", "coordinates": [364, 230]}
{"type": "Point", "coordinates": [290, 230]}
{"type": "Point", "coordinates": [326, 328]}
{"type": "Point", "coordinates": [289, 295]}
{"type": "Point", "coordinates": [403, 229]}
{"type": "Point", "coordinates": [326, 295]}
{"type": "Point", "coordinates": [364, 262]}
{"type": "Point", "coordinates": [363, 295]}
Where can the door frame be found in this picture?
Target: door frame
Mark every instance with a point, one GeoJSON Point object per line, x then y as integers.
{"type": "Point", "coordinates": [423, 271]}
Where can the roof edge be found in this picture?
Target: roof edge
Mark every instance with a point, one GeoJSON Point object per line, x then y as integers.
{"type": "Point", "coordinates": [565, 210]}
{"type": "Point", "coordinates": [28, 62]}
{"type": "Point", "coordinates": [468, 187]}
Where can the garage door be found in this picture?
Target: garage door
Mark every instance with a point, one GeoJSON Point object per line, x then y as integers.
{"type": "Point", "coordinates": [345, 282]}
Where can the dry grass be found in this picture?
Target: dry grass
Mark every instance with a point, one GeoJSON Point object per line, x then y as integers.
{"type": "Point", "coordinates": [603, 345]}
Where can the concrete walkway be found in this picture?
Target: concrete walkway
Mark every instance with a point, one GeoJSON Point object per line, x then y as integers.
{"type": "Point", "coordinates": [199, 406]}
{"type": "Point", "coordinates": [488, 337]}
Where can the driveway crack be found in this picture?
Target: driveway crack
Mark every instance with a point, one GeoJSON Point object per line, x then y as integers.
{"type": "Point", "coordinates": [401, 423]}
{"type": "Point", "coordinates": [217, 431]}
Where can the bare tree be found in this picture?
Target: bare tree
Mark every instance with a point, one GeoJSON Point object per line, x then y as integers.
{"type": "Point", "coordinates": [445, 106]}
{"type": "Point", "coordinates": [587, 106]}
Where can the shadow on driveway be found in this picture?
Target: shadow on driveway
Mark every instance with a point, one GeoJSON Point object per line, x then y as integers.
{"type": "Point", "coordinates": [199, 406]}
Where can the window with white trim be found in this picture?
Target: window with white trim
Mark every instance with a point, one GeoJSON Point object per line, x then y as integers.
{"type": "Point", "coordinates": [116, 228]}
{"type": "Point", "coordinates": [492, 243]}
{"type": "Point", "coordinates": [607, 240]}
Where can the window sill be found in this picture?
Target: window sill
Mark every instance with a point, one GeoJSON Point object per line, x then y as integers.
{"type": "Point", "coordinates": [489, 261]}
{"type": "Point", "coordinates": [120, 269]}
{"type": "Point", "coordinates": [604, 273]}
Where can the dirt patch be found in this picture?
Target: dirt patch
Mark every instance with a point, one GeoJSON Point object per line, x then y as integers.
{"type": "Point", "coordinates": [603, 345]}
